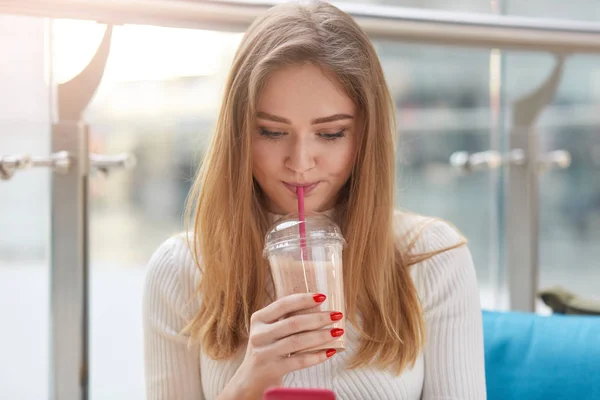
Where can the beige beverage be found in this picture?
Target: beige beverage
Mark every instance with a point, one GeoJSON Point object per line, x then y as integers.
{"type": "Point", "coordinates": [296, 276]}
{"type": "Point", "coordinates": [310, 266]}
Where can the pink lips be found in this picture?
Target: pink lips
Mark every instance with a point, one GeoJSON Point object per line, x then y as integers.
{"type": "Point", "coordinates": [307, 187]}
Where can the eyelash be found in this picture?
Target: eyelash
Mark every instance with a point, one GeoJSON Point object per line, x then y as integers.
{"type": "Point", "coordinates": [326, 136]}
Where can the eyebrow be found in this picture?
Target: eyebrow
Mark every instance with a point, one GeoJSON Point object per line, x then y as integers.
{"type": "Point", "coordinates": [322, 120]}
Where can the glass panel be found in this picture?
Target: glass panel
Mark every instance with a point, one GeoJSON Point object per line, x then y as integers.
{"type": "Point", "coordinates": [443, 106]}
{"type": "Point", "coordinates": [569, 198]}
{"type": "Point", "coordinates": [157, 100]}
{"type": "Point", "coordinates": [583, 10]}
{"type": "Point", "coordinates": [24, 219]}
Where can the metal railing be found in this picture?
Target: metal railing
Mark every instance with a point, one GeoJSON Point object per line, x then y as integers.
{"type": "Point", "coordinates": [380, 22]}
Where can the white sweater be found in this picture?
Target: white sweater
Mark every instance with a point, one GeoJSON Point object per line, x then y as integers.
{"type": "Point", "coordinates": [450, 368]}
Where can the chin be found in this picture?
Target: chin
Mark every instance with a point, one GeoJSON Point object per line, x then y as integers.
{"type": "Point", "coordinates": [284, 209]}
{"type": "Point", "coordinates": [314, 202]}
{"type": "Point", "coordinates": [318, 207]}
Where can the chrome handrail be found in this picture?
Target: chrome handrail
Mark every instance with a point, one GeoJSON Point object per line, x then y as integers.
{"type": "Point", "coordinates": [379, 21]}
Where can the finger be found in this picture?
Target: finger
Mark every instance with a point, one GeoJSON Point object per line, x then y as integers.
{"type": "Point", "coordinates": [302, 361]}
{"type": "Point", "coordinates": [287, 305]}
{"type": "Point", "coordinates": [265, 334]}
{"type": "Point", "coordinates": [304, 341]}
{"type": "Point", "coordinates": [301, 323]}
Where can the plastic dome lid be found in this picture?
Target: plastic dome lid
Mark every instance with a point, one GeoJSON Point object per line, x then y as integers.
{"type": "Point", "coordinates": [285, 233]}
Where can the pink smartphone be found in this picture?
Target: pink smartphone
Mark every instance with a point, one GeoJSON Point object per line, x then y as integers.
{"type": "Point", "coordinates": [298, 394]}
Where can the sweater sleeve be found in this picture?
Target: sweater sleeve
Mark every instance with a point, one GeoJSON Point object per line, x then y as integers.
{"type": "Point", "coordinates": [172, 368]}
{"type": "Point", "coordinates": [447, 285]}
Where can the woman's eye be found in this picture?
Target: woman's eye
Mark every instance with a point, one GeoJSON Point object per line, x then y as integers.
{"type": "Point", "coordinates": [271, 134]}
{"type": "Point", "coordinates": [326, 136]}
{"type": "Point", "coordinates": [333, 136]}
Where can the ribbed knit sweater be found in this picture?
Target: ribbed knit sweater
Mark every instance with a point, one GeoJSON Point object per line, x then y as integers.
{"type": "Point", "coordinates": [451, 366]}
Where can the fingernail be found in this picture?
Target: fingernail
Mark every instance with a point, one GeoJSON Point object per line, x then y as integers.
{"type": "Point", "coordinates": [336, 316]}
{"type": "Point", "coordinates": [319, 298]}
{"type": "Point", "coordinates": [336, 332]}
{"type": "Point", "coordinates": [330, 352]}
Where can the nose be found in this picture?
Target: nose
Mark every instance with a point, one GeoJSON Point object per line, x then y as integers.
{"type": "Point", "coordinates": [301, 157]}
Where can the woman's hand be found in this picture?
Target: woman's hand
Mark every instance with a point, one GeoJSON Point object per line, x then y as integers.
{"type": "Point", "coordinates": [275, 339]}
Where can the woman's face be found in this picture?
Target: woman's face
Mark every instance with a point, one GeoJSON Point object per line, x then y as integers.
{"type": "Point", "coordinates": [305, 135]}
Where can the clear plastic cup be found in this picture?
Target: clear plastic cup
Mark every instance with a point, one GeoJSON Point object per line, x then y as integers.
{"type": "Point", "coordinates": [310, 266]}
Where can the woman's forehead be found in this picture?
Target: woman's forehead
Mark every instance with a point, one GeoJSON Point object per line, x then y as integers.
{"type": "Point", "coordinates": [304, 92]}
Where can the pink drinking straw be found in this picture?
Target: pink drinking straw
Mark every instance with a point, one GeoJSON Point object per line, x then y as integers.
{"type": "Point", "coordinates": [302, 218]}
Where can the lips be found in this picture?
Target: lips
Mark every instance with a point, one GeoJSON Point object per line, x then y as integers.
{"type": "Point", "coordinates": [308, 187]}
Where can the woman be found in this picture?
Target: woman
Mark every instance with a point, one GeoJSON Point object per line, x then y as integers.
{"type": "Point", "coordinates": [306, 104]}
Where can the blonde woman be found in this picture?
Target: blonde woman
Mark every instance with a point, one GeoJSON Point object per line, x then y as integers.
{"type": "Point", "coordinates": [306, 104]}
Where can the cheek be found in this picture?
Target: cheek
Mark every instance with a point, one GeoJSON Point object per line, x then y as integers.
{"type": "Point", "coordinates": [339, 163]}
{"type": "Point", "coordinates": [264, 160]}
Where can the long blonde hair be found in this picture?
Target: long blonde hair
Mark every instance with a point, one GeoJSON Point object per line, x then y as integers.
{"type": "Point", "coordinates": [229, 221]}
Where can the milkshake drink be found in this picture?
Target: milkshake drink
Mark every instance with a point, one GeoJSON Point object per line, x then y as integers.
{"type": "Point", "coordinates": [309, 265]}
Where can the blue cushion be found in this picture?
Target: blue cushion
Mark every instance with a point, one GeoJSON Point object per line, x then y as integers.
{"type": "Point", "coordinates": [532, 357]}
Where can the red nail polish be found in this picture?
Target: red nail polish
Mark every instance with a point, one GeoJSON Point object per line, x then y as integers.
{"type": "Point", "coordinates": [330, 352]}
{"type": "Point", "coordinates": [319, 298]}
{"type": "Point", "coordinates": [336, 316]}
{"type": "Point", "coordinates": [337, 332]}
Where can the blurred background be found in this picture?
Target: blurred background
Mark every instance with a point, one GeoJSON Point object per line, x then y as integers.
{"type": "Point", "coordinates": [158, 100]}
